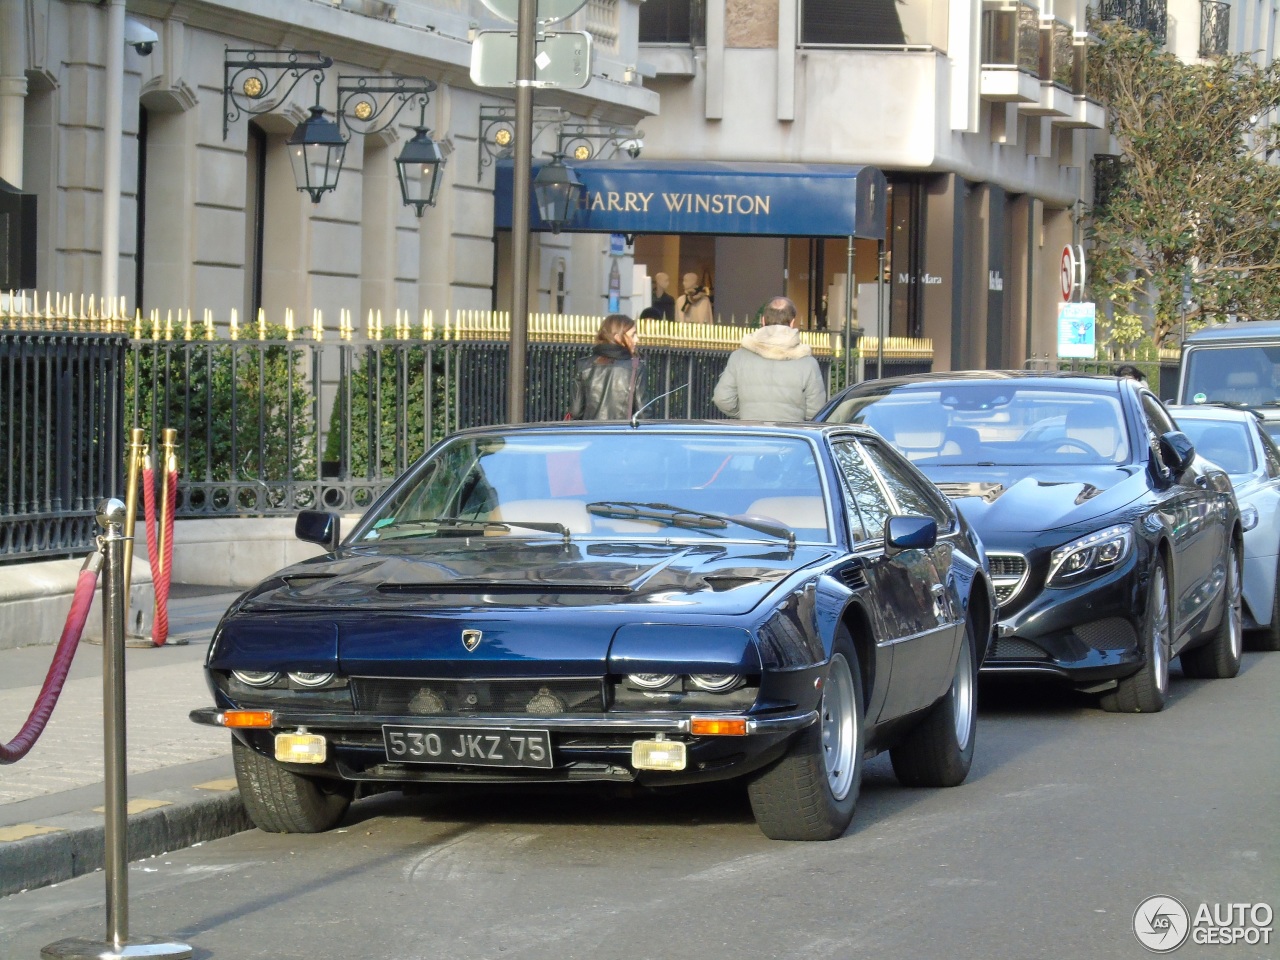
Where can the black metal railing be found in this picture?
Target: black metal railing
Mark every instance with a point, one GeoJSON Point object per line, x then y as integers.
{"type": "Point", "coordinates": [673, 21]}
{"type": "Point", "coordinates": [1215, 27]}
{"type": "Point", "coordinates": [1149, 15]}
{"type": "Point", "coordinates": [61, 438]}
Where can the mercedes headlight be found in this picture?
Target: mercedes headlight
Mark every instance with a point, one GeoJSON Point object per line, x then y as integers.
{"type": "Point", "coordinates": [1089, 556]}
{"type": "Point", "coordinates": [1248, 517]}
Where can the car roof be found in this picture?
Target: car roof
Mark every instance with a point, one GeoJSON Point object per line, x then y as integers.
{"type": "Point", "coordinates": [1211, 411]}
{"type": "Point", "coordinates": [718, 428]}
{"type": "Point", "coordinates": [1085, 382]}
{"type": "Point", "coordinates": [1238, 330]}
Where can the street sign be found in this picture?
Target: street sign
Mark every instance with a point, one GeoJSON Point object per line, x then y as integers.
{"type": "Point", "coordinates": [1071, 274]}
{"type": "Point", "coordinates": [549, 11]}
{"type": "Point", "coordinates": [563, 60]}
{"type": "Point", "coordinates": [1076, 331]}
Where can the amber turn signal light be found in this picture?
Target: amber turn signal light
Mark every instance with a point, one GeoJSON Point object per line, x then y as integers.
{"type": "Point", "coordinates": [246, 718]}
{"type": "Point", "coordinates": [718, 726]}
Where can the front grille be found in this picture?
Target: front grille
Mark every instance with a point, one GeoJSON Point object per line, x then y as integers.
{"type": "Point", "coordinates": [1008, 574]}
{"type": "Point", "coordinates": [374, 695]}
{"type": "Point", "coordinates": [1015, 648]}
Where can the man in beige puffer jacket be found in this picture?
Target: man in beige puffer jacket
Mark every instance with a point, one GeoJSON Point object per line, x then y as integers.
{"type": "Point", "coordinates": [772, 376]}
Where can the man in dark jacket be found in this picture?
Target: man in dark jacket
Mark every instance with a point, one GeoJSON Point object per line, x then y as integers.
{"type": "Point", "coordinates": [772, 376]}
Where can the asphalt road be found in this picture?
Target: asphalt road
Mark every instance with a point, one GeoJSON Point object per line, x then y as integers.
{"type": "Point", "coordinates": [1071, 818]}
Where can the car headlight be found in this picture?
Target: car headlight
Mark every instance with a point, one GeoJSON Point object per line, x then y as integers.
{"type": "Point", "coordinates": [1248, 517]}
{"type": "Point", "coordinates": [1089, 556]}
{"type": "Point", "coordinates": [256, 678]}
{"type": "Point", "coordinates": [715, 682]}
{"type": "Point", "coordinates": [651, 681]}
{"type": "Point", "coordinates": [311, 679]}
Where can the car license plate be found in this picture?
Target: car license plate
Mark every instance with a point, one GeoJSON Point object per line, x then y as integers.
{"type": "Point", "coordinates": [468, 746]}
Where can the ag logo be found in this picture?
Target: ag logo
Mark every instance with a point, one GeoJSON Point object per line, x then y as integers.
{"type": "Point", "coordinates": [1161, 924]}
{"type": "Point", "coordinates": [471, 639]}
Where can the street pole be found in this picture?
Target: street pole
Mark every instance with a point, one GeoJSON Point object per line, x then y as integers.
{"type": "Point", "coordinates": [522, 173]}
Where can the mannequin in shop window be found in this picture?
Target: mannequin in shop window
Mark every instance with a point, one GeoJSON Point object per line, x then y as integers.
{"type": "Point", "coordinates": [694, 305]}
{"type": "Point", "coordinates": [663, 301]}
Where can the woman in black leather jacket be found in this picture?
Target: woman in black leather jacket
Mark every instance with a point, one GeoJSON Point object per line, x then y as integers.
{"type": "Point", "coordinates": [607, 384]}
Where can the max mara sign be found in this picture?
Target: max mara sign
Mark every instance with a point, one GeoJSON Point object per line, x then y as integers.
{"type": "Point", "coordinates": [763, 199]}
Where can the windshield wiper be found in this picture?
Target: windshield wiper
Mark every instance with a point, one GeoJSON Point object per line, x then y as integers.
{"type": "Point", "coordinates": [682, 517]}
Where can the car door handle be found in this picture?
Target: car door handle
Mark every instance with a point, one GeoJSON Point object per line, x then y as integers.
{"type": "Point", "coordinates": [1202, 481]}
{"type": "Point", "coordinates": [941, 602]}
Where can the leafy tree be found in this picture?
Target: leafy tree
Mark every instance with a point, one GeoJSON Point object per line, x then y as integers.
{"type": "Point", "coordinates": [1194, 195]}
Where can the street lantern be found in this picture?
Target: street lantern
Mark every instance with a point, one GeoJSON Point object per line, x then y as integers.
{"type": "Point", "coordinates": [316, 149]}
{"type": "Point", "coordinates": [558, 190]}
{"type": "Point", "coordinates": [419, 166]}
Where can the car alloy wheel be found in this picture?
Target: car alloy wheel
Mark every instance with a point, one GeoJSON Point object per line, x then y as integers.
{"type": "Point", "coordinates": [1145, 689]}
{"type": "Point", "coordinates": [839, 733]}
{"type": "Point", "coordinates": [963, 694]}
{"type": "Point", "coordinates": [1219, 658]}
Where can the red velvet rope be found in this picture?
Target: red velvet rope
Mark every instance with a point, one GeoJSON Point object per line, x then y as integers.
{"type": "Point", "coordinates": [20, 745]}
{"type": "Point", "coordinates": [160, 629]}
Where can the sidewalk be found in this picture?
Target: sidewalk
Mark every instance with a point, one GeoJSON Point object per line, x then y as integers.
{"type": "Point", "coordinates": [181, 787]}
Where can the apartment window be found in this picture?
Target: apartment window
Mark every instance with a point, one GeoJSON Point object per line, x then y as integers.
{"type": "Point", "coordinates": [850, 23]}
{"type": "Point", "coordinates": [1215, 25]}
{"type": "Point", "coordinates": [1011, 37]}
{"type": "Point", "coordinates": [673, 21]}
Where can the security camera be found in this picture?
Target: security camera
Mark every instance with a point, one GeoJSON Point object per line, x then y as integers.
{"type": "Point", "coordinates": [139, 36]}
{"type": "Point", "coordinates": [633, 147]}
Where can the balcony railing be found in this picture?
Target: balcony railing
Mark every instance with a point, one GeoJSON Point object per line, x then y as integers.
{"type": "Point", "coordinates": [1011, 37]}
{"type": "Point", "coordinates": [1215, 27]}
{"type": "Point", "coordinates": [673, 21]}
{"type": "Point", "coordinates": [1149, 15]}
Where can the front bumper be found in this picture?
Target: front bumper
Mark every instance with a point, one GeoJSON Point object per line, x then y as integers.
{"type": "Point", "coordinates": [584, 746]}
{"type": "Point", "coordinates": [1085, 634]}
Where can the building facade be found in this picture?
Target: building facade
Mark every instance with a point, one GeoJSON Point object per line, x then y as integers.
{"type": "Point", "coordinates": [150, 191]}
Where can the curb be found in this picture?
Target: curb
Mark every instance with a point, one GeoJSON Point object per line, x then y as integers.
{"type": "Point", "coordinates": [73, 844]}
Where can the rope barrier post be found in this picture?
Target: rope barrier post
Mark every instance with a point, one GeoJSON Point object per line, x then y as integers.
{"type": "Point", "coordinates": [135, 450]}
{"type": "Point", "coordinates": [118, 945]}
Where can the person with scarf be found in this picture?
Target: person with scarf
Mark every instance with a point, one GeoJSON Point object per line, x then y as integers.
{"type": "Point", "coordinates": [772, 375]}
{"type": "Point", "coordinates": [607, 384]}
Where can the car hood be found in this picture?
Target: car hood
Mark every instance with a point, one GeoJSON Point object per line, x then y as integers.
{"type": "Point", "coordinates": [537, 605]}
{"type": "Point", "coordinates": [1038, 498]}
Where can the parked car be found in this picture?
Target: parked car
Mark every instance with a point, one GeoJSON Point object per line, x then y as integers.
{"type": "Point", "coordinates": [1113, 547]}
{"type": "Point", "coordinates": [1236, 441]}
{"type": "Point", "coordinates": [645, 603]}
{"type": "Point", "coordinates": [1236, 364]}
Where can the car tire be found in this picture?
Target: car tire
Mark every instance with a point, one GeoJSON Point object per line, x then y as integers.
{"type": "Point", "coordinates": [1268, 638]}
{"type": "Point", "coordinates": [939, 749]}
{"type": "Point", "coordinates": [280, 801]}
{"type": "Point", "coordinates": [1219, 659]}
{"type": "Point", "coordinates": [810, 793]}
{"type": "Point", "coordinates": [1145, 690]}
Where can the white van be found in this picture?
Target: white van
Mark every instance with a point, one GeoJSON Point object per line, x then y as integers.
{"type": "Point", "coordinates": [1237, 365]}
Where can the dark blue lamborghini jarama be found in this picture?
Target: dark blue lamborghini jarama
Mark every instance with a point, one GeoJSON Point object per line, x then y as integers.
{"type": "Point", "coordinates": [651, 604]}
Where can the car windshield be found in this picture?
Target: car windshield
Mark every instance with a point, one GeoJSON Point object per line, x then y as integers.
{"type": "Point", "coordinates": [1001, 424]}
{"type": "Point", "coordinates": [1244, 375]}
{"type": "Point", "coordinates": [639, 484]}
{"type": "Point", "coordinates": [1226, 443]}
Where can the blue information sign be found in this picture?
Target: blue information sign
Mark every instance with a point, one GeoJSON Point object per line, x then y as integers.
{"type": "Point", "coordinates": [1076, 331]}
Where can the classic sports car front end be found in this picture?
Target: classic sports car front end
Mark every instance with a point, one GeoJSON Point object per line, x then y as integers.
{"type": "Point", "coordinates": [559, 665]}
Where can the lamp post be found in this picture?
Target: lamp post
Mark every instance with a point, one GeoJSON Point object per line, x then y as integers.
{"type": "Point", "coordinates": [526, 47]}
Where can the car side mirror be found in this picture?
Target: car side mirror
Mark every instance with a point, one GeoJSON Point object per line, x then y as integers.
{"type": "Point", "coordinates": [908, 532]}
{"type": "Point", "coordinates": [319, 526]}
{"type": "Point", "coordinates": [1176, 451]}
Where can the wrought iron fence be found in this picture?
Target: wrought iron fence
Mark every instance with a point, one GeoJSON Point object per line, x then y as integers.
{"type": "Point", "coordinates": [1149, 15]}
{"type": "Point", "coordinates": [61, 435]}
{"type": "Point", "coordinates": [272, 418]}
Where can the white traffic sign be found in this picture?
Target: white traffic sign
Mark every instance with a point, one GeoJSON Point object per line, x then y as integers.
{"type": "Point", "coordinates": [1071, 273]}
{"type": "Point", "coordinates": [563, 60]}
{"type": "Point", "coordinates": [549, 11]}
{"type": "Point", "coordinates": [1077, 331]}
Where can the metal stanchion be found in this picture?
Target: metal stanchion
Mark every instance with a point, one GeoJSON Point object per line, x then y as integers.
{"type": "Point", "coordinates": [118, 945]}
{"type": "Point", "coordinates": [168, 466]}
{"type": "Point", "coordinates": [135, 451]}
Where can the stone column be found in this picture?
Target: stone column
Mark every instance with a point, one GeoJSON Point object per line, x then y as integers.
{"type": "Point", "coordinates": [13, 90]}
